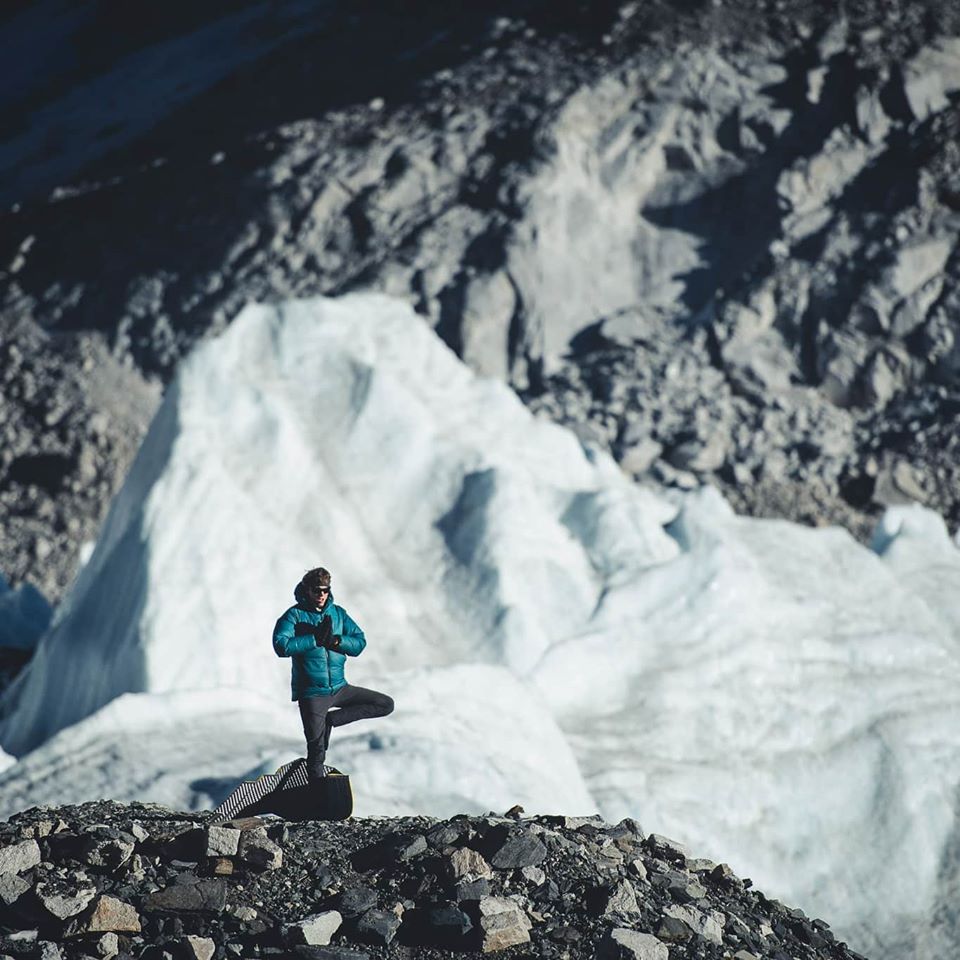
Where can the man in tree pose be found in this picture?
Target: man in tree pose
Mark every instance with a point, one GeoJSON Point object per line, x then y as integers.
{"type": "Point", "coordinates": [318, 636]}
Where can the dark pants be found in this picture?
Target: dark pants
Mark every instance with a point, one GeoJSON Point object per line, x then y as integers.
{"type": "Point", "coordinates": [351, 703]}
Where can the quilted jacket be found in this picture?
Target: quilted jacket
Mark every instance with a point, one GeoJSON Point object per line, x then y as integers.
{"type": "Point", "coordinates": [316, 671]}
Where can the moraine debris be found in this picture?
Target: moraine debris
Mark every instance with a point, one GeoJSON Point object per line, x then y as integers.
{"type": "Point", "coordinates": [114, 881]}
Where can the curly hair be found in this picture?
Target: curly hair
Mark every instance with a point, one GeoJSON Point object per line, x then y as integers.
{"type": "Point", "coordinates": [317, 577]}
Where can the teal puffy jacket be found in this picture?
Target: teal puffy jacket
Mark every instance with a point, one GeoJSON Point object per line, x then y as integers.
{"type": "Point", "coordinates": [316, 671]}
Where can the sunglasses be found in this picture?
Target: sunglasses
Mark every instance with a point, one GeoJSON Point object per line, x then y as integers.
{"type": "Point", "coordinates": [317, 591]}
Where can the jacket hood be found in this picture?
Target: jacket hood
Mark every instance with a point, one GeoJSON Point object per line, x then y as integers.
{"type": "Point", "coordinates": [300, 595]}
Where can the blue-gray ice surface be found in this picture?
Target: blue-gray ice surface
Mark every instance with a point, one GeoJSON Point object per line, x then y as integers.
{"type": "Point", "coordinates": [778, 697]}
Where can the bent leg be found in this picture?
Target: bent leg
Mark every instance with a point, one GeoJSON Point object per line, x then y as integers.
{"type": "Point", "coordinates": [314, 714]}
{"type": "Point", "coordinates": [358, 703]}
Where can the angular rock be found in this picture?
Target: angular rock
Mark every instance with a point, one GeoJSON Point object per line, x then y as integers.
{"type": "Point", "coordinates": [407, 848]}
{"type": "Point", "coordinates": [187, 845]}
{"type": "Point", "coordinates": [19, 857]}
{"type": "Point", "coordinates": [12, 887]}
{"type": "Point", "coordinates": [467, 864]}
{"type": "Point", "coordinates": [514, 849]}
{"type": "Point", "coordinates": [758, 368]}
{"type": "Point", "coordinates": [440, 925]}
{"type": "Point", "coordinates": [258, 850]}
{"type": "Point", "coordinates": [931, 76]}
{"type": "Point", "coordinates": [43, 828]}
{"type": "Point", "coordinates": [222, 841]}
{"type": "Point", "coordinates": [807, 188]}
{"type": "Point", "coordinates": [606, 900]}
{"type": "Point", "coordinates": [872, 120]}
{"type": "Point", "coordinates": [700, 455]}
{"type": "Point", "coordinates": [609, 858]}
{"type": "Point", "coordinates": [640, 456]}
{"type": "Point", "coordinates": [106, 847]}
{"type": "Point", "coordinates": [329, 953]}
{"type": "Point", "coordinates": [709, 927]}
{"type": "Point", "coordinates": [674, 930]}
{"type": "Point", "coordinates": [246, 823]}
{"type": "Point", "coordinates": [692, 889]}
{"type": "Point", "coordinates": [444, 835]}
{"type": "Point", "coordinates": [48, 950]}
{"type": "Point", "coordinates": [323, 877]}
{"type": "Point", "coordinates": [315, 930]}
{"type": "Point", "coordinates": [449, 924]}
{"type": "Point", "coordinates": [627, 827]}
{"type": "Point", "coordinates": [198, 948]}
{"type": "Point", "coordinates": [882, 379]}
{"type": "Point", "coordinates": [914, 266]}
{"type": "Point", "coordinates": [623, 899]}
{"type": "Point", "coordinates": [112, 915]}
{"type": "Point", "coordinates": [206, 896]}
{"type": "Point", "coordinates": [666, 848]}
{"type": "Point", "coordinates": [575, 823]}
{"type": "Point", "coordinates": [107, 946]}
{"type": "Point", "coordinates": [534, 875]}
{"type": "Point", "coordinates": [501, 923]}
{"type": "Point", "coordinates": [394, 847]}
{"type": "Point", "coordinates": [896, 484]}
{"type": "Point", "coordinates": [471, 890]}
{"type": "Point", "coordinates": [137, 831]}
{"type": "Point", "coordinates": [378, 927]}
{"type": "Point", "coordinates": [723, 875]}
{"type": "Point", "coordinates": [356, 901]}
{"type": "Point", "coordinates": [624, 944]}
{"type": "Point", "coordinates": [62, 899]}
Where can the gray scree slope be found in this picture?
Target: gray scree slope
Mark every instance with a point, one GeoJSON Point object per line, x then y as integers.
{"type": "Point", "coordinates": [718, 239]}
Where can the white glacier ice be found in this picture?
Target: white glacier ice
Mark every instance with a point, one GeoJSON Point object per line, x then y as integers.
{"type": "Point", "coordinates": [779, 697]}
{"type": "Point", "coordinates": [186, 749]}
{"type": "Point", "coordinates": [343, 431]}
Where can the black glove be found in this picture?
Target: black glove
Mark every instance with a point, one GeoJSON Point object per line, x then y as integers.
{"type": "Point", "coordinates": [322, 633]}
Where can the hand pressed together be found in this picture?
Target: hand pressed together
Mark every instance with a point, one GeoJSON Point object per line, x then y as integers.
{"type": "Point", "coordinates": [321, 632]}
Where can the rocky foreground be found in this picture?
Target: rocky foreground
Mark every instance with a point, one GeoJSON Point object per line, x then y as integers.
{"type": "Point", "coordinates": [112, 880]}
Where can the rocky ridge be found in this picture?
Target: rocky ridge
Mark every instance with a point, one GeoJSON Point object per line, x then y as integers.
{"type": "Point", "coordinates": [110, 880]}
{"type": "Point", "coordinates": [717, 239]}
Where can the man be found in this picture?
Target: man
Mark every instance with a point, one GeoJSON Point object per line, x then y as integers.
{"type": "Point", "coordinates": [319, 635]}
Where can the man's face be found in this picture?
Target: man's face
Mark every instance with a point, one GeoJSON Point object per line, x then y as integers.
{"type": "Point", "coordinates": [318, 594]}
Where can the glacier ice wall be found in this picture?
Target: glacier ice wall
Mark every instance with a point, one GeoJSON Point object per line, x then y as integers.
{"type": "Point", "coordinates": [343, 433]}
{"type": "Point", "coordinates": [779, 697]}
{"type": "Point", "coordinates": [186, 749]}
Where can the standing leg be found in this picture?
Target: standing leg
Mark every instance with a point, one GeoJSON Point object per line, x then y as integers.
{"type": "Point", "coordinates": [313, 713]}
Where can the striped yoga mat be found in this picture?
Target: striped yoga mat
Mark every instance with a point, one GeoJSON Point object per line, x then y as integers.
{"type": "Point", "coordinates": [250, 792]}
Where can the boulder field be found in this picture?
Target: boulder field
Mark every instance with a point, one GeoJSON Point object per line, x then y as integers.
{"type": "Point", "coordinates": [110, 880]}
